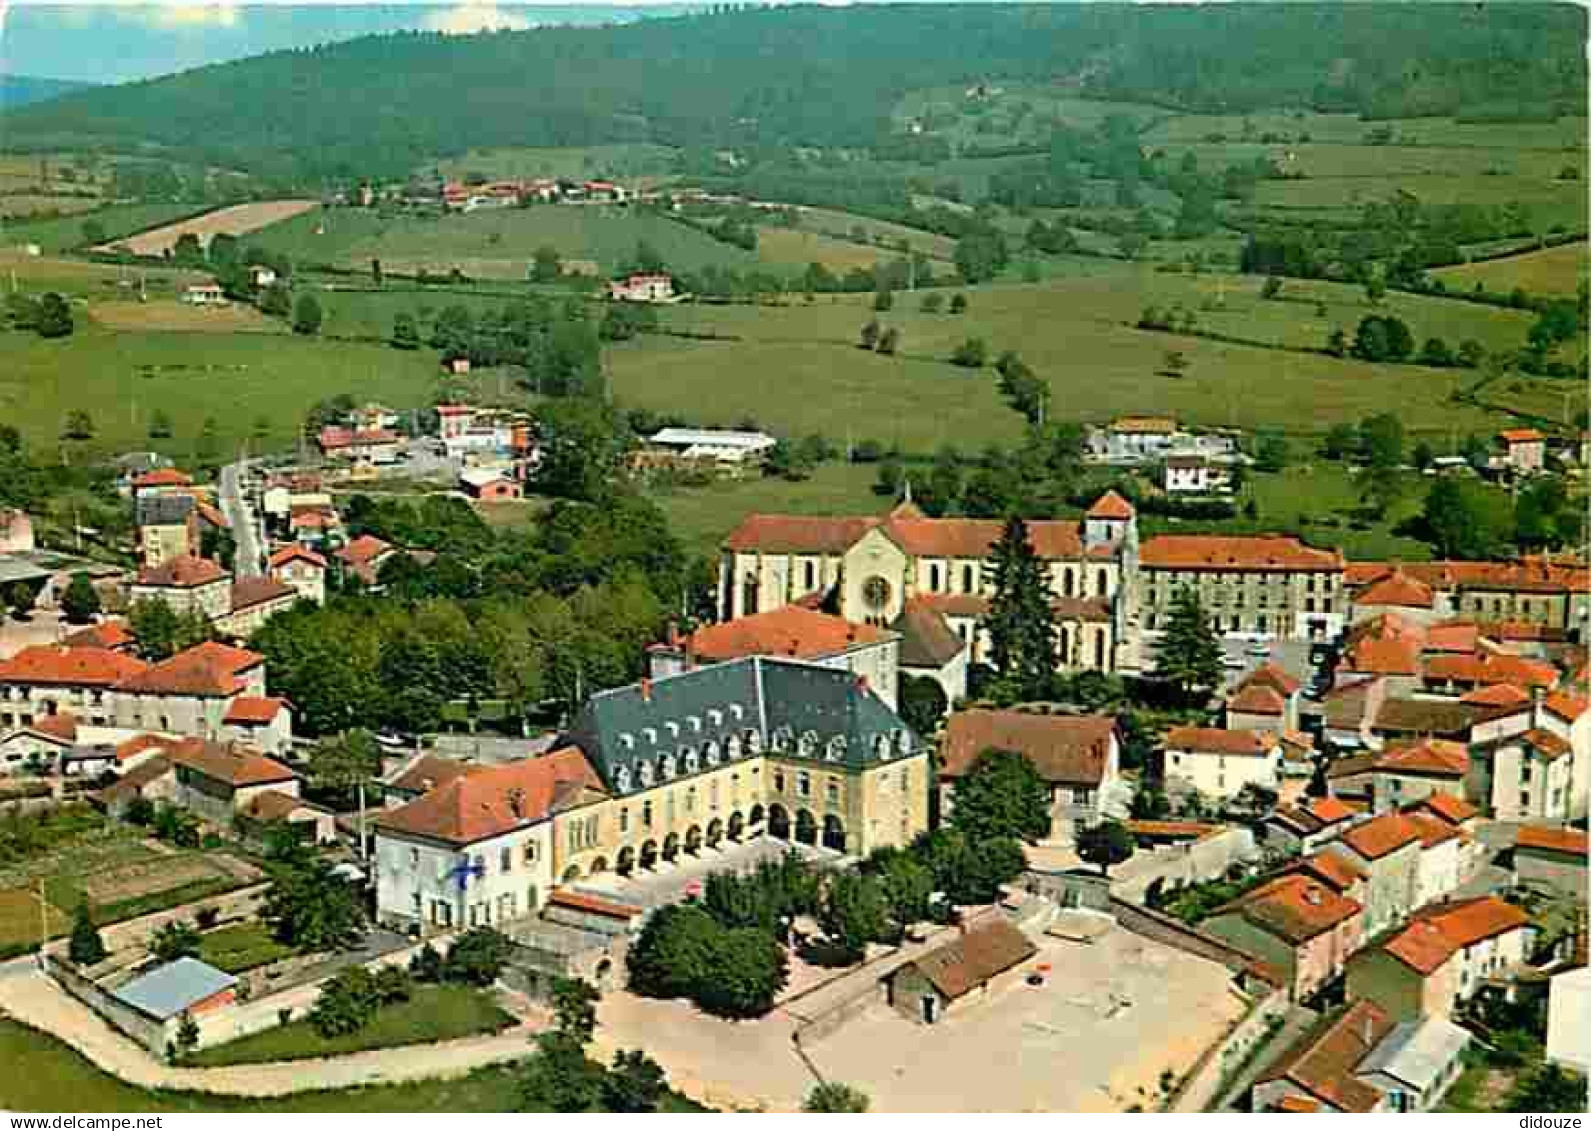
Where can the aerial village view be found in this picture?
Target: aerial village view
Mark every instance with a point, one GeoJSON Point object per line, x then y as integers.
{"type": "Point", "coordinates": [753, 558]}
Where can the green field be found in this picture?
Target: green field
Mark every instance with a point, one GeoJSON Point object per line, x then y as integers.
{"type": "Point", "coordinates": [795, 368]}
{"type": "Point", "coordinates": [1554, 271]}
{"type": "Point", "coordinates": [434, 1013]}
{"type": "Point", "coordinates": [700, 517]}
{"type": "Point", "coordinates": [121, 378]}
{"type": "Point", "coordinates": [594, 161]}
{"type": "Point", "coordinates": [118, 220]}
{"type": "Point", "coordinates": [241, 947]}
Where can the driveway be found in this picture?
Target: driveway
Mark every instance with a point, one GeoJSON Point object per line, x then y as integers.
{"type": "Point", "coordinates": [243, 519]}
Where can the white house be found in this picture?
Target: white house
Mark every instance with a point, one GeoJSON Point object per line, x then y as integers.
{"type": "Point", "coordinates": [1219, 763]}
{"type": "Point", "coordinates": [719, 445]}
{"type": "Point", "coordinates": [477, 850]}
{"type": "Point", "coordinates": [1194, 474]}
{"type": "Point", "coordinates": [204, 294]}
{"type": "Point", "coordinates": [642, 288]}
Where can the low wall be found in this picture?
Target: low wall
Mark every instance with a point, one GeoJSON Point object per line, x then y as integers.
{"type": "Point", "coordinates": [239, 904]}
{"type": "Point", "coordinates": [1175, 933]}
{"type": "Point", "coordinates": [1201, 1087]}
{"type": "Point", "coordinates": [834, 1018]}
{"type": "Point", "coordinates": [149, 1033]}
{"type": "Point", "coordinates": [1189, 863]}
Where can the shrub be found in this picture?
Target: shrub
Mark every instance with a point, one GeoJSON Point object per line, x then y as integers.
{"type": "Point", "coordinates": [476, 958]}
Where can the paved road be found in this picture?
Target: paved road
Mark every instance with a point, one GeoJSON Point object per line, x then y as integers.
{"type": "Point", "coordinates": [245, 531]}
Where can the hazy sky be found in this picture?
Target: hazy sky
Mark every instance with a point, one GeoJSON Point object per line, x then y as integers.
{"type": "Point", "coordinates": [108, 42]}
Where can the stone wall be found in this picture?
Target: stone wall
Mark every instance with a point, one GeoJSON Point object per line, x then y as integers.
{"type": "Point", "coordinates": [148, 1032]}
{"type": "Point", "coordinates": [1201, 1087]}
{"type": "Point", "coordinates": [1189, 863]}
{"type": "Point", "coordinates": [1175, 933]}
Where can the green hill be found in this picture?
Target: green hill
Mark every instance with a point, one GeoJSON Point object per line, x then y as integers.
{"type": "Point", "coordinates": [814, 75]}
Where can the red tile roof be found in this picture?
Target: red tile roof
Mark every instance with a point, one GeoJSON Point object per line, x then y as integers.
{"type": "Point", "coordinates": [1437, 933]}
{"type": "Point", "coordinates": [1521, 435]}
{"type": "Point", "coordinates": [1111, 506]}
{"type": "Point", "coordinates": [136, 745]}
{"type": "Point", "coordinates": [162, 477]}
{"type": "Point", "coordinates": [1330, 869]}
{"type": "Point", "coordinates": [211, 515]}
{"type": "Point", "coordinates": [967, 962]}
{"type": "Point", "coordinates": [1452, 636]}
{"type": "Point", "coordinates": [1567, 705]}
{"type": "Point", "coordinates": [185, 571]}
{"type": "Point", "coordinates": [254, 710]}
{"type": "Point", "coordinates": [926, 640]}
{"type": "Point", "coordinates": [69, 667]}
{"type": "Point", "coordinates": [296, 553]}
{"type": "Point", "coordinates": [112, 634]}
{"type": "Point", "coordinates": [249, 592]}
{"type": "Point", "coordinates": [580, 901]}
{"type": "Point", "coordinates": [1381, 836]}
{"type": "Point", "coordinates": [781, 533]}
{"type": "Point", "coordinates": [207, 669]}
{"type": "Point", "coordinates": [1455, 811]}
{"type": "Point", "coordinates": [62, 725]}
{"type": "Point", "coordinates": [1571, 842]}
{"type": "Point", "coordinates": [1273, 675]}
{"type": "Point", "coordinates": [1497, 667]}
{"type": "Point", "coordinates": [922, 537]}
{"type": "Point", "coordinates": [1235, 552]}
{"type": "Point", "coordinates": [1213, 740]}
{"type": "Point", "coordinates": [1549, 745]}
{"type": "Point", "coordinates": [1399, 589]}
{"type": "Point", "coordinates": [1433, 830]}
{"type": "Point", "coordinates": [1323, 1061]}
{"type": "Point", "coordinates": [1293, 907]}
{"type": "Point", "coordinates": [428, 772]}
{"type": "Point", "coordinates": [1257, 699]}
{"type": "Point", "coordinates": [789, 631]}
{"type": "Point", "coordinates": [1064, 749]}
{"type": "Point", "coordinates": [1496, 695]}
{"type": "Point", "coordinates": [1429, 756]}
{"type": "Point", "coordinates": [231, 763]}
{"type": "Point", "coordinates": [495, 800]}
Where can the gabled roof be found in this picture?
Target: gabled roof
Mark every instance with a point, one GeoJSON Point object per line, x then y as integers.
{"type": "Point", "coordinates": [274, 805]}
{"type": "Point", "coordinates": [132, 747]}
{"type": "Point", "coordinates": [1496, 695]}
{"type": "Point", "coordinates": [926, 640]}
{"type": "Point", "coordinates": [1324, 1061]}
{"type": "Point", "coordinates": [231, 763]}
{"type": "Point", "coordinates": [1398, 589]}
{"type": "Point", "coordinates": [296, 553]}
{"type": "Point", "coordinates": [1495, 667]}
{"type": "Point", "coordinates": [1312, 815]}
{"type": "Point", "coordinates": [1272, 675]}
{"type": "Point", "coordinates": [1227, 553]}
{"type": "Point", "coordinates": [112, 634]}
{"type": "Point", "coordinates": [1381, 836]}
{"type": "Point", "coordinates": [254, 710]}
{"type": "Point", "coordinates": [427, 771]}
{"type": "Point", "coordinates": [1257, 699]}
{"type": "Point", "coordinates": [162, 477]}
{"type": "Point", "coordinates": [1455, 811]}
{"type": "Point", "coordinates": [787, 631]}
{"type": "Point", "coordinates": [1569, 842]}
{"type": "Point", "coordinates": [967, 962]}
{"type": "Point", "coordinates": [185, 571]}
{"type": "Point", "coordinates": [61, 726]}
{"type": "Point", "coordinates": [1567, 705]}
{"type": "Point", "coordinates": [495, 800]}
{"type": "Point", "coordinates": [1330, 869]}
{"type": "Point", "coordinates": [70, 667]}
{"type": "Point", "coordinates": [1111, 506]}
{"type": "Point", "coordinates": [1214, 740]}
{"type": "Point", "coordinates": [1435, 757]}
{"type": "Point", "coordinates": [250, 592]}
{"type": "Point", "coordinates": [1451, 636]}
{"type": "Point", "coordinates": [919, 536]}
{"type": "Point", "coordinates": [1437, 933]}
{"type": "Point", "coordinates": [1433, 830]}
{"type": "Point", "coordinates": [1064, 749]}
{"type": "Point", "coordinates": [131, 783]}
{"type": "Point", "coordinates": [1293, 907]}
{"type": "Point", "coordinates": [205, 669]}
{"type": "Point", "coordinates": [1441, 717]}
{"type": "Point", "coordinates": [364, 550]}
{"type": "Point", "coordinates": [1521, 435]}
{"type": "Point", "coordinates": [1549, 745]}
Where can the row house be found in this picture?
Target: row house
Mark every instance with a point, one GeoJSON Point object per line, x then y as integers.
{"type": "Point", "coordinates": [189, 693]}
{"type": "Point", "coordinates": [1529, 760]}
{"type": "Point", "coordinates": [1359, 1060]}
{"type": "Point", "coordinates": [1308, 824]}
{"type": "Point", "coordinates": [1300, 927]}
{"type": "Point", "coordinates": [1266, 699]}
{"type": "Point", "coordinates": [1260, 587]}
{"type": "Point", "coordinates": [1221, 763]}
{"type": "Point", "coordinates": [1533, 590]}
{"type": "Point", "coordinates": [302, 570]}
{"type": "Point", "coordinates": [1442, 957]}
{"type": "Point", "coordinates": [1387, 849]}
{"type": "Point", "coordinates": [1549, 858]}
{"type": "Point", "coordinates": [192, 585]}
{"type": "Point", "coordinates": [868, 569]}
{"type": "Point", "coordinates": [51, 679]}
{"type": "Point", "coordinates": [1078, 757]}
{"type": "Point", "coordinates": [1399, 774]}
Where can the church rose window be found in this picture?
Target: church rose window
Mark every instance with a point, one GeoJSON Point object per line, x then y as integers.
{"type": "Point", "coordinates": [875, 592]}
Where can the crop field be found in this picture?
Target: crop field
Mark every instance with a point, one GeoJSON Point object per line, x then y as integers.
{"type": "Point", "coordinates": [700, 517]}
{"type": "Point", "coordinates": [849, 226]}
{"type": "Point", "coordinates": [27, 204]}
{"type": "Point", "coordinates": [64, 233]}
{"type": "Point", "coordinates": [236, 220]}
{"type": "Point", "coordinates": [19, 920]}
{"type": "Point", "coordinates": [792, 247]}
{"type": "Point", "coordinates": [171, 314]}
{"type": "Point", "coordinates": [1564, 134]}
{"type": "Point", "coordinates": [796, 368]}
{"type": "Point", "coordinates": [1548, 201]}
{"type": "Point", "coordinates": [34, 273]}
{"type": "Point", "coordinates": [237, 379]}
{"type": "Point", "coordinates": [1554, 271]}
{"type": "Point", "coordinates": [641, 163]}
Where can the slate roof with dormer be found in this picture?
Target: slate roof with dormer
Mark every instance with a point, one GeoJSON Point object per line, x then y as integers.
{"type": "Point", "coordinates": [658, 730]}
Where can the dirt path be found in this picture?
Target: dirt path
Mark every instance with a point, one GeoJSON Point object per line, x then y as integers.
{"type": "Point", "coordinates": [34, 999]}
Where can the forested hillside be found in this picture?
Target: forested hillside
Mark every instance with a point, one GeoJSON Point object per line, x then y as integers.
{"type": "Point", "coordinates": [815, 75]}
{"type": "Point", "coordinates": [19, 90]}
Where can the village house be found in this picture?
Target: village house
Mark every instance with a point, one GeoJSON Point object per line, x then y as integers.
{"type": "Point", "coordinates": [252, 602]}
{"type": "Point", "coordinates": [261, 722]}
{"type": "Point", "coordinates": [1193, 473]}
{"type": "Point", "coordinates": [1298, 926]}
{"type": "Point", "coordinates": [273, 809]}
{"type": "Point", "coordinates": [1266, 699]}
{"type": "Point", "coordinates": [1253, 586]}
{"type": "Point", "coordinates": [1446, 857]}
{"type": "Point", "coordinates": [1307, 825]}
{"type": "Point", "coordinates": [215, 780]}
{"type": "Point", "coordinates": [302, 569]}
{"type": "Point", "coordinates": [951, 978]}
{"type": "Point", "coordinates": [489, 484]}
{"type": "Point", "coordinates": [190, 693]}
{"type": "Point", "coordinates": [168, 527]}
{"type": "Point", "coordinates": [38, 745]}
{"type": "Point", "coordinates": [1569, 1013]}
{"type": "Point", "coordinates": [466, 430]}
{"type": "Point", "coordinates": [478, 849]}
{"type": "Point", "coordinates": [161, 481]}
{"type": "Point", "coordinates": [642, 288]}
{"type": "Point", "coordinates": [1359, 1060]}
{"type": "Point", "coordinates": [1524, 450]}
{"type": "Point", "coordinates": [1397, 775]}
{"type": "Point", "coordinates": [1387, 850]}
{"type": "Point", "coordinates": [1400, 595]}
{"type": "Point", "coordinates": [49, 679]}
{"type": "Point", "coordinates": [374, 447]}
{"type": "Point", "coordinates": [170, 994]}
{"type": "Point", "coordinates": [1552, 859]}
{"type": "Point", "coordinates": [16, 531]}
{"type": "Point", "coordinates": [420, 774]}
{"type": "Point", "coordinates": [1532, 590]}
{"type": "Point", "coordinates": [930, 648]}
{"type": "Point", "coordinates": [364, 557]}
{"type": "Point", "coordinates": [187, 584]}
{"type": "Point", "coordinates": [1333, 872]}
{"type": "Point", "coordinates": [1442, 957]}
{"type": "Point", "coordinates": [867, 569]}
{"type": "Point", "coordinates": [1220, 763]}
{"type": "Point", "coordinates": [1077, 756]}
{"type": "Point", "coordinates": [152, 778]}
{"type": "Point", "coordinates": [1134, 439]}
{"type": "Point", "coordinates": [868, 652]}
{"type": "Point", "coordinates": [1530, 761]}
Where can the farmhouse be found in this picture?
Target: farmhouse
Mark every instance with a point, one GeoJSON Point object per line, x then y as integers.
{"type": "Point", "coordinates": [217, 780]}
{"type": "Point", "coordinates": [981, 961]}
{"type": "Point", "coordinates": [1196, 474]}
{"type": "Point", "coordinates": [642, 288]}
{"type": "Point", "coordinates": [727, 451]}
{"type": "Point", "coordinates": [1524, 450]}
{"type": "Point", "coordinates": [489, 484]}
{"type": "Point", "coordinates": [204, 294]}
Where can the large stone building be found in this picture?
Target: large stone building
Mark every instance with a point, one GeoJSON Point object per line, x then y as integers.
{"type": "Point", "coordinates": [868, 569]}
{"type": "Point", "coordinates": [1534, 590]}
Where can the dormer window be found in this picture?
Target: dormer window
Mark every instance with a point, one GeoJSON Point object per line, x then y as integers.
{"type": "Point", "coordinates": [715, 717]}
{"type": "Point", "coordinates": [650, 734]}
{"type": "Point", "coordinates": [627, 741]}
{"type": "Point", "coordinates": [670, 765]}
{"type": "Point", "coordinates": [672, 728]}
{"type": "Point", "coordinates": [835, 749]}
{"type": "Point", "coordinates": [696, 724]}
{"type": "Point", "coordinates": [693, 761]}
{"type": "Point", "coordinates": [903, 741]}
{"type": "Point", "coordinates": [622, 779]}
{"type": "Point", "coordinates": [754, 742]}
{"type": "Point", "coordinates": [646, 775]}
{"type": "Point", "coordinates": [809, 742]}
{"type": "Point", "coordinates": [782, 737]}
{"type": "Point", "coordinates": [737, 712]}
{"type": "Point", "coordinates": [713, 752]}
{"type": "Point", "coordinates": [881, 747]}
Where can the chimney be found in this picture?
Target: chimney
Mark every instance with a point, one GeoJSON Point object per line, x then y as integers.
{"type": "Point", "coordinates": [646, 690]}
{"type": "Point", "coordinates": [1369, 1031]}
{"type": "Point", "coordinates": [1537, 696]}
